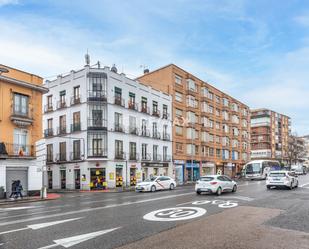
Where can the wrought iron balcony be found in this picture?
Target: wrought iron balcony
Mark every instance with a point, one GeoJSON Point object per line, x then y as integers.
{"type": "Point", "coordinates": [119, 128]}
{"type": "Point", "coordinates": [75, 127]}
{"type": "Point", "coordinates": [61, 157]}
{"type": "Point", "coordinates": [145, 132]}
{"type": "Point", "coordinates": [134, 131]}
{"type": "Point", "coordinates": [133, 156]}
{"type": "Point", "coordinates": [48, 108]}
{"type": "Point", "coordinates": [62, 130]}
{"type": "Point", "coordinates": [145, 109]}
{"type": "Point", "coordinates": [157, 158]}
{"type": "Point", "coordinates": [119, 101]}
{"type": "Point", "coordinates": [48, 132]}
{"type": "Point", "coordinates": [18, 150]}
{"type": "Point", "coordinates": [133, 105]}
{"type": "Point", "coordinates": [166, 136]}
{"type": "Point", "coordinates": [98, 152]}
{"type": "Point", "coordinates": [75, 156]}
{"type": "Point", "coordinates": [97, 96]}
{"type": "Point", "coordinates": [120, 155]}
{"type": "Point", "coordinates": [146, 157]}
{"type": "Point", "coordinates": [97, 124]}
{"type": "Point", "coordinates": [167, 158]}
{"type": "Point", "coordinates": [75, 100]}
{"type": "Point", "coordinates": [22, 118]}
{"type": "Point", "coordinates": [61, 104]}
{"type": "Point", "coordinates": [156, 135]}
{"type": "Point", "coordinates": [156, 113]}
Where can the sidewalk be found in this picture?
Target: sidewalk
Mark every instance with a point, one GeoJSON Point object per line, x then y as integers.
{"type": "Point", "coordinates": [50, 196]}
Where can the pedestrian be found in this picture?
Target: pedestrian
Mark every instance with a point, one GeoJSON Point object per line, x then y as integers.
{"type": "Point", "coordinates": [19, 188]}
{"type": "Point", "coordinates": [13, 189]}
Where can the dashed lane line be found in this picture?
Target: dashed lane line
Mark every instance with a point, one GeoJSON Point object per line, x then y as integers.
{"type": "Point", "coordinates": [29, 214]}
{"type": "Point", "coordinates": [93, 209]}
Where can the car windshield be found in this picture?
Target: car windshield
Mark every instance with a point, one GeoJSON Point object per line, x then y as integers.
{"type": "Point", "coordinates": [253, 168]}
{"type": "Point", "coordinates": [151, 179]}
{"type": "Point", "coordinates": [277, 174]}
{"type": "Point", "coordinates": [206, 179]}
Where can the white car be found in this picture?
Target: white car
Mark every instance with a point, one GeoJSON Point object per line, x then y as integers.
{"type": "Point", "coordinates": [215, 184]}
{"type": "Point", "coordinates": [282, 179]}
{"type": "Point", "coordinates": [156, 183]}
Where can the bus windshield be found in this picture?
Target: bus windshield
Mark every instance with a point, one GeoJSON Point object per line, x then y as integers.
{"type": "Point", "coordinates": [253, 168]}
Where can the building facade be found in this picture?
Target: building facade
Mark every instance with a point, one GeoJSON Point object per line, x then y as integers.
{"type": "Point", "coordinates": [210, 128]}
{"type": "Point", "coordinates": [104, 130]}
{"type": "Point", "coordinates": [269, 135]}
{"type": "Point", "coordinates": [20, 128]}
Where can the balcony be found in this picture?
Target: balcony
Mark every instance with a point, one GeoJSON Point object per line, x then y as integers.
{"type": "Point", "coordinates": [17, 150]}
{"type": "Point", "coordinates": [191, 91]}
{"type": "Point", "coordinates": [96, 124]}
{"type": "Point", "coordinates": [75, 156]}
{"type": "Point", "coordinates": [49, 158]}
{"type": "Point", "coordinates": [20, 118]}
{"type": "Point", "coordinates": [146, 157]}
{"type": "Point", "coordinates": [120, 155]}
{"type": "Point", "coordinates": [167, 158]}
{"type": "Point", "coordinates": [133, 106]}
{"type": "Point", "coordinates": [61, 104]}
{"type": "Point", "coordinates": [166, 137]}
{"type": "Point", "coordinates": [61, 157]}
{"type": "Point", "coordinates": [75, 100]}
{"type": "Point", "coordinates": [62, 130]}
{"type": "Point", "coordinates": [134, 131]}
{"type": "Point", "coordinates": [75, 127]}
{"type": "Point", "coordinates": [145, 109]}
{"type": "Point", "coordinates": [156, 113]}
{"type": "Point", "coordinates": [165, 115]}
{"type": "Point", "coordinates": [133, 156]}
{"type": "Point", "coordinates": [156, 135]}
{"type": "Point", "coordinates": [94, 96]}
{"type": "Point", "coordinates": [119, 101]}
{"type": "Point", "coordinates": [48, 132]}
{"type": "Point", "coordinates": [260, 124]}
{"type": "Point", "coordinates": [157, 158]}
{"type": "Point", "coordinates": [48, 108]}
{"type": "Point", "coordinates": [145, 133]}
{"type": "Point", "coordinates": [98, 152]}
{"type": "Point", "coordinates": [119, 128]}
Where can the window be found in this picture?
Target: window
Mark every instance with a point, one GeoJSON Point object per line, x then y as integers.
{"type": "Point", "coordinates": [178, 130]}
{"type": "Point", "coordinates": [192, 102]}
{"type": "Point", "coordinates": [144, 151]}
{"type": "Point", "coordinates": [76, 149]}
{"type": "Point", "coordinates": [132, 125]}
{"type": "Point", "coordinates": [118, 96]}
{"type": "Point", "coordinates": [21, 104]}
{"type": "Point", "coordinates": [76, 118]}
{"type": "Point", "coordinates": [190, 149]}
{"type": "Point", "coordinates": [191, 85]}
{"type": "Point", "coordinates": [20, 142]}
{"type": "Point", "coordinates": [49, 151]}
{"type": "Point", "coordinates": [225, 154]}
{"type": "Point", "coordinates": [50, 102]}
{"type": "Point", "coordinates": [155, 152]}
{"type": "Point", "coordinates": [155, 108]}
{"type": "Point", "coordinates": [49, 123]}
{"type": "Point", "coordinates": [132, 151]}
{"type": "Point", "coordinates": [62, 98]}
{"type": "Point", "coordinates": [131, 100]}
{"type": "Point", "coordinates": [62, 124]}
{"type": "Point", "coordinates": [192, 118]}
{"type": "Point", "coordinates": [217, 99]}
{"type": "Point", "coordinates": [178, 80]}
{"type": "Point", "coordinates": [154, 129]}
{"type": "Point", "coordinates": [76, 93]}
{"type": "Point", "coordinates": [178, 112]}
{"type": "Point", "coordinates": [97, 118]}
{"type": "Point", "coordinates": [218, 153]}
{"type": "Point", "coordinates": [118, 149]}
{"type": "Point", "coordinates": [165, 153]}
{"type": "Point", "coordinates": [217, 112]}
{"type": "Point", "coordinates": [118, 120]}
{"type": "Point", "coordinates": [178, 96]}
{"type": "Point", "coordinates": [179, 148]}
{"type": "Point", "coordinates": [144, 105]}
{"type": "Point", "coordinates": [165, 114]}
{"type": "Point", "coordinates": [62, 151]}
{"type": "Point", "coordinates": [225, 102]}
{"type": "Point", "coordinates": [211, 151]}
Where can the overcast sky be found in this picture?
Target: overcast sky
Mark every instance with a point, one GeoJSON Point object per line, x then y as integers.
{"type": "Point", "coordinates": [257, 51]}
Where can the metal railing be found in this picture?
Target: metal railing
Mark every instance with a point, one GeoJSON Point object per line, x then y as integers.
{"type": "Point", "coordinates": [48, 132]}
{"type": "Point", "coordinates": [19, 150]}
{"type": "Point", "coordinates": [75, 100]}
{"type": "Point", "coordinates": [157, 158]}
{"type": "Point", "coordinates": [165, 115]}
{"type": "Point", "coordinates": [119, 101]}
{"type": "Point", "coordinates": [50, 158]}
{"type": "Point", "coordinates": [145, 132]}
{"type": "Point", "coordinates": [62, 130]}
{"type": "Point", "coordinates": [167, 158]}
{"type": "Point", "coordinates": [61, 157]}
{"type": "Point", "coordinates": [96, 124]}
{"type": "Point", "coordinates": [166, 137]}
{"type": "Point", "coordinates": [61, 104]}
{"type": "Point", "coordinates": [120, 155]}
{"type": "Point", "coordinates": [75, 156]}
{"type": "Point", "coordinates": [145, 109]}
{"type": "Point", "coordinates": [156, 135]}
{"type": "Point", "coordinates": [133, 156]}
{"type": "Point", "coordinates": [75, 127]}
{"type": "Point", "coordinates": [134, 131]}
{"type": "Point", "coordinates": [97, 96]}
{"type": "Point", "coordinates": [146, 157]}
{"type": "Point", "coordinates": [133, 106]}
{"type": "Point", "coordinates": [48, 108]}
{"type": "Point", "coordinates": [19, 114]}
{"type": "Point", "coordinates": [156, 113]}
{"type": "Point", "coordinates": [119, 128]}
{"type": "Point", "coordinates": [99, 152]}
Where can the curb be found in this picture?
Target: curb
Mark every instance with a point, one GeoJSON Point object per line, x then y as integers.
{"type": "Point", "coordinates": [8, 202]}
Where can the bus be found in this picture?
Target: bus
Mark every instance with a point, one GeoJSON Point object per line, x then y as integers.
{"type": "Point", "coordinates": [259, 169]}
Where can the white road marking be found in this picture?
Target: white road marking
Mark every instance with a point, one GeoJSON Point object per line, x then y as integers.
{"type": "Point", "coordinates": [93, 209]}
{"type": "Point", "coordinates": [41, 225]}
{"type": "Point", "coordinates": [175, 214]}
{"type": "Point", "coordinates": [34, 213]}
{"type": "Point", "coordinates": [243, 198]}
{"type": "Point", "coordinates": [18, 208]}
{"type": "Point", "coordinates": [304, 184]}
{"type": "Point", "coordinates": [71, 241]}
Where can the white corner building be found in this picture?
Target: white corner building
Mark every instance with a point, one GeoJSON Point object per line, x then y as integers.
{"type": "Point", "coordinates": [104, 130]}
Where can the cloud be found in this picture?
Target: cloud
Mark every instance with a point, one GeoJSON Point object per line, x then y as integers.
{"type": "Point", "coordinates": [8, 2]}
{"type": "Point", "coordinates": [302, 20]}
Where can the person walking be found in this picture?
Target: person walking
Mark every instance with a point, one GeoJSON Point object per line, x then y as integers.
{"type": "Point", "coordinates": [19, 188]}
{"type": "Point", "coordinates": [13, 189]}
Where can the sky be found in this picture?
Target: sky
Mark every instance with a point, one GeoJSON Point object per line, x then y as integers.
{"type": "Point", "coordinates": [256, 51]}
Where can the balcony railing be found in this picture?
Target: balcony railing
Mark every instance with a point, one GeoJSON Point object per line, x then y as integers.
{"type": "Point", "coordinates": [165, 115]}
{"type": "Point", "coordinates": [133, 106]}
{"type": "Point", "coordinates": [119, 128]}
{"type": "Point", "coordinates": [48, 132]}
{"type": "Point", "coordinates": [167, 158]}
{"type": "Point", "coordinates": [146, 157]}
{"type": "Point", "coordinates": [50, 158]}
{"type": "Point", "coordinates": [145, 133]}
{"type": "Point", "coordinates": [62, 130]}
{"type": "Point", "coordinates": [99, 152]}
{"type": "Point", "coordinates": [134, 156]}
{"type": "Point", "coordinates": [18, 150]}
{"type": "Point", "coordinates": [119, 101]}
{"type": "Point", "coordinates": [61, 104]}
{"type": "Point", "coordinates": [145, 109]}
{"type": "Point", "coordinates": [97, 96]}
{"type": "Point", "coordinates": [134, 131]}
{"type": "Point", "coordinates": [75, 100]}
{"type": "Point", "coordinates": [156, 113]}
{"type": "Point", "coordinates": [61, 157]}
{"type": "Point", "coordinates": [166, 137]}
{"type": "Point", "coordinates": [97, 124]}
{"type": "Point", "coordinates": [75, 156]}
{"type": "Point", "coordinates": [120, 155]}
{"type": "Point", "coordinates": [157, 158]}
{"type": "Point", "coordinates": [156, 135]}
{"type": "Point", "coordinates": [19, 114]}
{"type": "Point", "coordinates": [75, 127]}
{"type": "Point", "coordinates": [48, 108]}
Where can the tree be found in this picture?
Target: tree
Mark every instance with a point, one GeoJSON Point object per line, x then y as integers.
{"type": "Point", "coordinates": [296, 149]}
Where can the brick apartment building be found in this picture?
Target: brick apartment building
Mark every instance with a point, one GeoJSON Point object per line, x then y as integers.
{"type": "Point", "coordinates": [210, 129]}
{"type": "Point", "coordinates": [269, 135]}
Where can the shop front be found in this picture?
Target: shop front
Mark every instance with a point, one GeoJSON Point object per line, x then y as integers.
{"type": "Point", "coordinates": [208, 168]}
{"type": "Point", "coordinates": [229, 169]}
{"type": "Point", "coordinates": [179, 171]}
{"type": "Point", "coordinates": [154, 169]}
{"type": "Point", "coordinates": [63, 177]}
{"type": "Point", "coordinates": [220, 169]}
{"type": "Point", "coordinates": [192, 171]}
{"type": "Point", "coordinates": [98, 178]}
{"type": "Point", "coordinates": [119, 175]}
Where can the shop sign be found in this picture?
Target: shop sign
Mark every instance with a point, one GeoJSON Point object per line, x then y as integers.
{"type": "Point", "coordinates": [119, 166]}
{"type": "Point", "coordinates": [112, 176]}
{"type": "Point", "coordinates": [179, 162]}
{"type": "Point", "coordinates": [155, 164]}
{"type": "Point", "coordinates": [62, 167]}
{"type": "Point", "coordinates": [192, 165]}
{"type": "Point", "coordinates": [133, 166]}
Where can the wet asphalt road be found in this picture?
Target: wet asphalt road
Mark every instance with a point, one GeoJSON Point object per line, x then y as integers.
{"type": "Point", "coordinates": [111, 220]}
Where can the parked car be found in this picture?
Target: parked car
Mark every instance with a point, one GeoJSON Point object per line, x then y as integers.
{"type": "Point", "coordinates": [156, 183]}
{"type": "Point", "coordinates": [282, 179]}
{"type": "Point", "coordinates": [215, 184]}
{"type": "Point", "coordinates": [299, 169]}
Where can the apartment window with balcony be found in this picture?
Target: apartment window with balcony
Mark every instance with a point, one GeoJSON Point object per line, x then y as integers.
{"type": "Point", "coordinates": [97, 85]}
{"type": "Point", "coordinates": [62, 151]}
{"type": "Point", "coordinates": [50, 124]}
{"type": "Point", "coordinates": [225, 102]}
{"type": "Point", "coordinates": [234, 143]}
{"type": "Point", "coordinates": [178, 130]}
{"type": "Point", "coordinates": [225, 115]}
{"type": "Point", "coordinates": [217, 125]}
{"type": "Point", "coordinates": [76, 95]}
{"type": "Point", "coordinates": [132, 125]}
{"type": "Point", "coordinates": [144, 152]}
{"type": "Point", "coordinates": [20, 146]}
{"type": "Point", "coordinates": [225, 128]}
{"type": "Point", "coordinates": [76, 122]}
{"type": "Point", "coordinates": [210, 95]}
{"type": "Point", "coordinates": [192, 102]}
{"type": "Point", "coordinates": [155, 152]}
{"type": "Point", "coordinates": [225, 141]}
{"type": "Point", "coordinates": [21, 104]}
{"type": "Point", "coordinates": [192, 118]}
{"type": "Point", "coordinates": [217, 139]}
{"type": "Point", "coordinates": [62, 99]}
{"type": "Point", "coordinates": [62, 124]}
{"type": "Point", "coordinates": [244, 123]}
{"type": "Point", "coordinates": [211, 151]}
{"type": "Point", "coordinates": [132, 151]}
{"type": "Point", "coordinates": [191, 85]}
{"type": "Point", "coordinates": [244, 145]}
{"type": "Point", "coordinates": [49, 153]}
{"type": "Point", "coordinates": [234, 155]}
{"type": "Point", "coordinates": [196, 149]}
{"type": "Point", "coordinates": [235, 131]}
{"type": "Point", "coordinates": [204, 151]}
{"type": "Point", "coordinates": [132, 102]}
{"type": "Point", "coordinates": [217, 99]}
{"type": "Point", "coordinates": [245, 112]}
{"type": "Point", "coordinates": [97, 144]}
{"type": "Point", "coordinates": [50, 102]}
{"type": "Point", "coordinates": [144, 105]}
{"type": "Point", "coordinates": [190, 149]}
{"type": "Point", "coordinates": [178, 96]}
{"type": "Point", "coordinates": [76, 150]}
{"type": "Point", "coordinates": [217, 112]}
{"type": "Point", "coordinates": [190, 133]}
{"type": "Point", "coordinates": [235, 119]}
{"type": "Point", "coordinates": [119, 149]}
{"type": "Point", "coordinates": [118, 96]}
{"type": "Point", "coordinates": [178, 80]}
{"type": "Point", "coordinates": [165, 156]}
{"type": "Point", "coordinates": [225, 154]}
{"type": "Point", "coordinates": [118, 122]}
{"type": "Point", "coordinates": [155, 132]}
{"type": "Point", "coordinates": [155, 110]}
{"type": "Point", "coordinates": [165, 113]}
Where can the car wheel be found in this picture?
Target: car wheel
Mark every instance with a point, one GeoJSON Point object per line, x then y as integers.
{"type": "Point", "coordinates": [291, 186]}
{"type": "Point", "coordinates": [172, 186]}
{"type": "Point", "coordinates": [219, 191]}
{"type": "Point", "coordinates": [198, 192]}
{"type": "Point", "coordinates": [153, 188]}
{"type": "Point", "coordinates": [268, 187]}
{"type": "Point", "coordinates": [234, 188]}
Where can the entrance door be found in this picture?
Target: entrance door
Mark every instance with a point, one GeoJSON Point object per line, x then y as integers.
{"type": "Point", "coordinates": [179, 174]}
{"type": "Point", "coordinates": [196, 174]}
{"type": "Point", "coordinates": [50, 179]}
{"type": "Point", "coordinates": [77, 178]}
{"type": "Point", "coordinates": [14, 174]}
{"type": "Point", "coordinates": [119, 178]}
{"type": "Point", "coordinates": [132, 176]}
{"type": "Point", "coordinates": [63, 178]}
{"type": "Point", "coordinates": [97, 178]}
